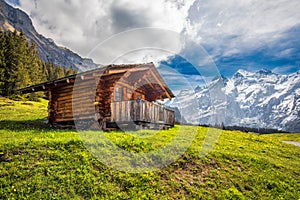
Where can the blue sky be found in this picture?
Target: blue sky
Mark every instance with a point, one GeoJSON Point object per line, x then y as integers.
{"type": "Point", "coordinates": [247, 34]}
{"type": "Point", "coordinates": [281, 56]}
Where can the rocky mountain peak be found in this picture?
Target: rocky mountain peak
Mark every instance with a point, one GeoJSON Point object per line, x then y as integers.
{"type": "Point", "coordinates": [265, 72]}
{"type": "Point", "coordinates": [257, 100]}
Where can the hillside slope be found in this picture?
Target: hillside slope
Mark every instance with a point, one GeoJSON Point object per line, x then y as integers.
{"type": "Point", "coordinates": [12, 18]}
{"type": "Point", "coordinates": [40, 163]}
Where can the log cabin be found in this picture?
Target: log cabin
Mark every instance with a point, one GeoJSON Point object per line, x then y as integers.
{"type": "Point", "coordinates": [111, 97]}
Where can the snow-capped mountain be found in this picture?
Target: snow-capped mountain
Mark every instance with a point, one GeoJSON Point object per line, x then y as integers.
{"type": "Point", "coordinates": [15, 19]}
{"type": "Point", "coordinates": [258, 100]}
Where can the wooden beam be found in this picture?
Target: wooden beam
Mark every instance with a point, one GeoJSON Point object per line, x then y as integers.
{"type": "Point", "coordinates": [124, 84]}
{"type": "Point", "coordinates": [142, 78]}
{"type": "Point", "coordinates": [149, 83]}
{"type": "Point", "coordinates": [160, 84]}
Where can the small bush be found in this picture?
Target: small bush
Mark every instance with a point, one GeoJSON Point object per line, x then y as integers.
{"type": "Point", "coordinates": [231, 193]}
{"type": "Point", "coordinates": [17, 97]}
{"type": "Point", "coordinates": [34, 97]}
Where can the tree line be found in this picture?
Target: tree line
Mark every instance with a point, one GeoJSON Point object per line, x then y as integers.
{"type": "Point", "coordinates": [21, 66]}
{"type": "Point", "coordinates": [244, 129]}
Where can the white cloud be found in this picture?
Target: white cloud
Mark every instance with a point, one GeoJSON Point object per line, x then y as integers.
{"type": "Point", "coordinates": [232, 26]}
{"type": "Point", "coordinates": [81, 25]}
{"type": "Point", "coordinates": [285, 69]}
{"type": "Point", "coordinates": [137, 46]}
{"type": "Point", "coordinates": [228, 27]}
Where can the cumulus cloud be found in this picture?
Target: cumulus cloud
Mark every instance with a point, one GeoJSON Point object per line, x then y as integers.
{"type": "Point", "coordinates": [226, 28]}
{"type": "Point", "coordinates": [80, 25]}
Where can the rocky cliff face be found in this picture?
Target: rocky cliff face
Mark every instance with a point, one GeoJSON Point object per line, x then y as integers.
{"type": "Point", "coordinates": [258, 100]}
{"type": "Point", "coordinates": [15, 19]}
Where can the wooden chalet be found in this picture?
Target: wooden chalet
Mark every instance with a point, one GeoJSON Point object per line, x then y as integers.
{"type": "Point", "coordinates": [112, 97]}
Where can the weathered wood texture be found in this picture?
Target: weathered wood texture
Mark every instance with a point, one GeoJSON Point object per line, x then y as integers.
{"type": "Point", "coordinates": [73, 101]}
{"type": "Point", "coordinates": [141, 111]}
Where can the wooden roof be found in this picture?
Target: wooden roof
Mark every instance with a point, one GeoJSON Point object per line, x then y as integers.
{"type": "Point", "coordinates": [143, 76]}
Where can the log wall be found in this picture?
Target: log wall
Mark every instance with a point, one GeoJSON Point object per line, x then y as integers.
{"type": "Point", "coordinates": [67, 103]}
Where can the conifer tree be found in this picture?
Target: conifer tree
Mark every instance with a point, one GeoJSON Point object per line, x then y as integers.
{"type": "Point", "coordinates": [21, 66]}
{"type": "Point", "coordinates": [71, 71]}
{"type": "Point", "coordinates": [2, 60]}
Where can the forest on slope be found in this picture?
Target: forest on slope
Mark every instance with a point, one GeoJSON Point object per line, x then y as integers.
{"type": "Point", "coordinates": [21, 66]}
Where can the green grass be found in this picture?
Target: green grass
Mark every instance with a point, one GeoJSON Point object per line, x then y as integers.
{"type": "Point", "coordinates": [37, 162]}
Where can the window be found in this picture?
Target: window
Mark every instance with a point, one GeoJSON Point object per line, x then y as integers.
{"type": "Point", "coordinates": [118, 94]}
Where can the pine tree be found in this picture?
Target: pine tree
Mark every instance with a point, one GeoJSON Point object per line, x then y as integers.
{"type": "Point", "coordinates": [2, 60]}
{"type": "Point", "coordinates": [18, 62]}
{"type": "Point", "coordinates": [21, 66]}
{"type": "Point", "coordinates": [45, 72]}
{"type": "Point", "coordinates": [71, 71]}
{"type": "Point", "coordinates": [11, 55]}
{"type": "Point", "coordinates": [59, 72]}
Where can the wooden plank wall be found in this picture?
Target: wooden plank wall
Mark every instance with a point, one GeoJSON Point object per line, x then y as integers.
{"type": "Point", "coordinates": [65, 104]}
{"type": "Point", "coordinates": [141, 111]}
{"type": "Point", "coordinates": [90, 98]}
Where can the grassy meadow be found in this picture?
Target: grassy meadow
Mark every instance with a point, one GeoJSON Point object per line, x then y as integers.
{"type": "Point", "coordinates": [37, 162]}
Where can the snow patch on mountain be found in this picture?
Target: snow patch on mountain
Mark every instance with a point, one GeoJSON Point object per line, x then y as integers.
{"type": "Point", "coordinates": [258, 100]}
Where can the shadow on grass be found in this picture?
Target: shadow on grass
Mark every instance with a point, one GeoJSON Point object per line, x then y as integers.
{"type": "Point", "coordinates": [14, 125]}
